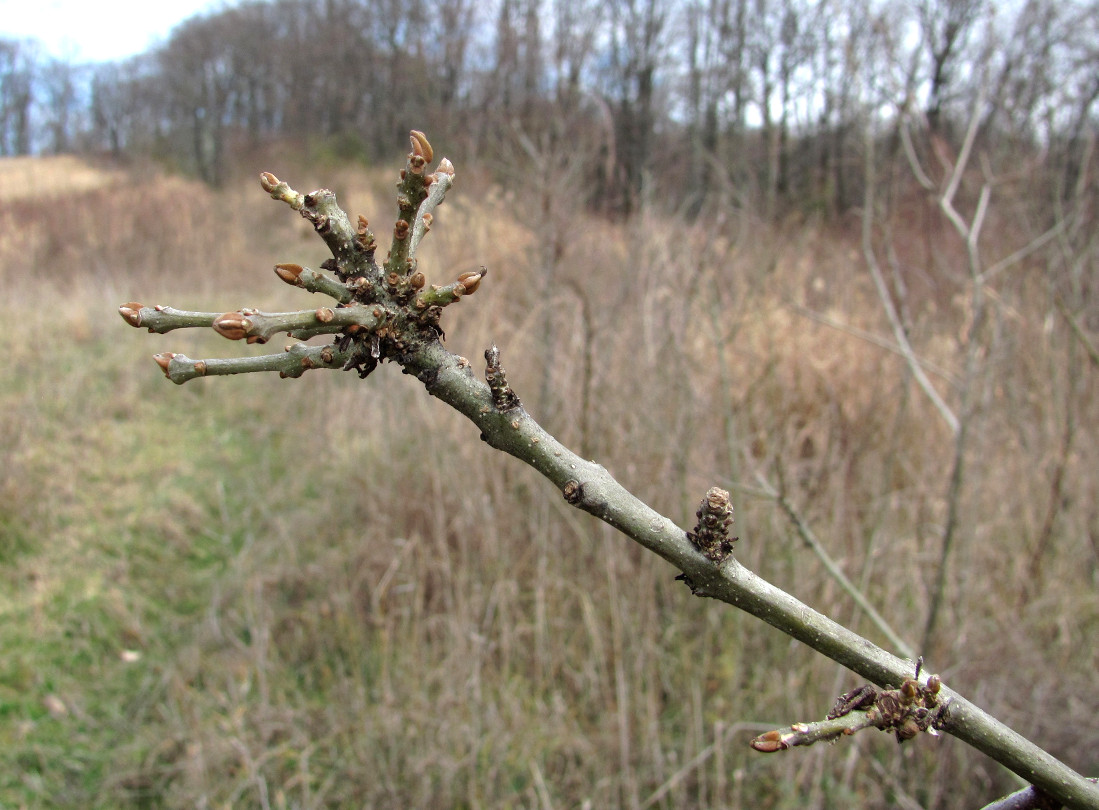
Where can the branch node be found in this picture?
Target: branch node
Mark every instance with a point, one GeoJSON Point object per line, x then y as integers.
{"type": "Point", "coordinates": [573, 492]}
{"type": "Point", "coordinates": [232, 325]}
{"type": "Point", "coordinates": [906, 711]}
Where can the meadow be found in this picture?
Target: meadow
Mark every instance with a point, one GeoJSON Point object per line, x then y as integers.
{"type": "Point", "coordinates": [327, 592]}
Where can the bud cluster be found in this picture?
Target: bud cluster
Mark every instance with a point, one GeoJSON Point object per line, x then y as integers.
{"type": "Point", "coordinates": [503, 398]}
{"type": "Point", "coordinates": [711, 535]}
{"type": "Point", "coordinates": [378, 312]}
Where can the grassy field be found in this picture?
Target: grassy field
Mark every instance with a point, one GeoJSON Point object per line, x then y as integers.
{"type": "Point", "coordinates": [326, 592]}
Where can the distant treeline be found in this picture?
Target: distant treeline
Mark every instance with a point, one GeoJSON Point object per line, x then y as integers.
{"type": "Point", "coordinates": [766, 102]}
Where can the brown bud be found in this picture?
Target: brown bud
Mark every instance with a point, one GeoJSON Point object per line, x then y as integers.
{"type": "Point", "coordinates": [416, 164]}
{"type": "Point", "coordinates": [164, 360]}
{"type": "Point", "coordinates": [200, 367]}
{"type": "Point", "coordinates": [769, 743]}
{"type": "Point", "coordinates": [420, 145]}
{"type": "Point", "coordinates": [131, 313]}
{"type": "Point", "coordinates": [400, 230]}
{"type": "Point", "coordinates": [445, 167]}
{"type": "Point", "coordinates": [363, 225]}
{"type": "Point", "coordinates": [290, 273]}
{"type": "Point", "coordinates": [934, 684]}
{"type": "Point", "coordinates": [573, 490]}
{"type": "Point", "coordinates": [326, 355]}
{"type": "Point", "coordinates": [417, 280]}
{"type": "Point", "coordinates": [471, 281]}
{"type": "Point", "coordinates": [908, 729]}
{"type": "Point", "coordinates": [325, 315]}
{"type": "Point", "coordinates": [909, 689]}
{"type": "Point", "coordinates": [232, 325]}
{"type": "Point", "coordinates": [428, 219]}
{"type": "Point", "coordinates": [268, 181]}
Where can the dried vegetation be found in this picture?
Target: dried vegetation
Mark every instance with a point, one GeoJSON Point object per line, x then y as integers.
{"type": "Point", "coordinates": [327, 593]}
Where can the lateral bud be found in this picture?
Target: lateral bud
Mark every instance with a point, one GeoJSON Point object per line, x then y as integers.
{"type": "Point", "coordinates": [232, 325]}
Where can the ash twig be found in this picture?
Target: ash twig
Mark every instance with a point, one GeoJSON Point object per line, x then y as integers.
{"type": "Point", "coordinates": [295, 361]}
{"type": "Point", "coordinates": [408, 333]}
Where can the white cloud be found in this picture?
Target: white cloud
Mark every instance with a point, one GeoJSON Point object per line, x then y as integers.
{"type": "Point", "coordinates": [87, 30]}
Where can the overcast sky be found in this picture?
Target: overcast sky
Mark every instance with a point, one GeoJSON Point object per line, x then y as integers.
{"type": "Point", "coordinates": [96, 30]}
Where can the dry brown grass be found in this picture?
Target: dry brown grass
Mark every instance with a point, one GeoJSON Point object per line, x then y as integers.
{"type": "Point", "coordinates": [337, 596]}
{"type": "Point", "coordinates": [28, 178]}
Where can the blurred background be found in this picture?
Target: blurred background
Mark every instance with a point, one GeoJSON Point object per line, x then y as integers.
{"type": "Point", "coordinates": [718, 254]}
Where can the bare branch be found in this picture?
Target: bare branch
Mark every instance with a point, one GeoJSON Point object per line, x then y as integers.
{"type": "Point", "coordinates": [255, 326]}
{"type": "Point", "coordinates": [899, 333]}
{"type": "Point", "coordinates": [295, 361]}
{"type": "Point", "coordinates": [1029, 798]}
{"type": "Point", "coordinates": [830, 565]}
{"type": "Point", "coordinates": [443, 181]}
{"type": "Point", "coordinates": [391, 317]}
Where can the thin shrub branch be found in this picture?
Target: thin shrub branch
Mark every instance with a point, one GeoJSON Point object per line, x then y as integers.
{"type": "Point", "coordinates": [807, 535]}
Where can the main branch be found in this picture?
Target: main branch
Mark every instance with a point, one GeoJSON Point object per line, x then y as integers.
{"type": "Point", "coordinates": [389, 312]}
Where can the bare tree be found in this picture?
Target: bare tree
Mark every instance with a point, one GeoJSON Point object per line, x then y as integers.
{"type": "Point", "coordinates": [946, 26]}
{"type": "Point", "coordinates": [637, 43]}
{"type": "Point", "coordinates": [16, 96]}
